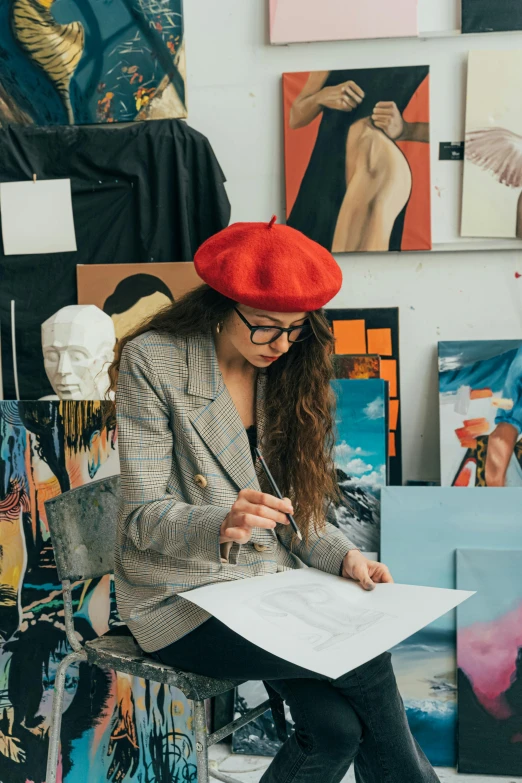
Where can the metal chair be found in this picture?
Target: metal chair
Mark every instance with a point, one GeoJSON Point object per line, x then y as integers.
{"type": "Point", "coordinates": [83, 528]}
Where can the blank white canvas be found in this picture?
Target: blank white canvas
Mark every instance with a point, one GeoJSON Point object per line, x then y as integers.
{"type": "Point", "coordinates": [37, 217]}
{"type": "Point", "coordinates": [489, 208]}
{"type": "Point", "coordinates": [322, 622]}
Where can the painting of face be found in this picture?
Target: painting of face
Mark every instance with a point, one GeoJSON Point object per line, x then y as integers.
{"type": "Point", "coordinates": [489, 657]}
{"type": "Point", "coordinates": [67, 63]}
{"type": "Point", "coordinates": [357, 157]}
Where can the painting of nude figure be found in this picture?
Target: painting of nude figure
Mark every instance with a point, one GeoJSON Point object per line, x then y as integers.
{"type": "Point", "coordinates": [357, 158]}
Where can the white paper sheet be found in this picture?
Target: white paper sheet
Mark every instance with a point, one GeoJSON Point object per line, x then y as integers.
{"type": "Point", "coordinates": [322, 622]}
{"type": "Point", "coordinates": [37, 217]}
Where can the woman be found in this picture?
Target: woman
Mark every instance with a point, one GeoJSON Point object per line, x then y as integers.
{"type": "Point", "coordinates": [245, 359]}
{"type": "Point", "coordinates": [355, 190]}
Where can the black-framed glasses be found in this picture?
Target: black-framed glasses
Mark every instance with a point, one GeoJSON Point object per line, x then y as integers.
{"type": "Point", "coordinates": [263, 335]}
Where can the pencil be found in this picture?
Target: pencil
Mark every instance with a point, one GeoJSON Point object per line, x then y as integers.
{"type": "Point", "coordinates": [277, 492]}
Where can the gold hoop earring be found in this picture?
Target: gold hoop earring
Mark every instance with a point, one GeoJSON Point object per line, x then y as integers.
{"type": "Point", "coordinates": [219, 327]}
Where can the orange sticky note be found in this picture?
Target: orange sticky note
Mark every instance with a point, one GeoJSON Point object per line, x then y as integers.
{"type": "Point", "coordinates": [350, 336]}
{"type": "Point", "coordinates": [393, 413]}
{"type": "Point", "coordinates": [389, 373]}
{"type": "Point", "coordinates": [392, 451]}
{"type": "Point", "coordinates": [380, 341]}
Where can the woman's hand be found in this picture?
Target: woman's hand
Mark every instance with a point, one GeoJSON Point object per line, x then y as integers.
{"type": "Point", "coordinates": [388, 118]}
{"type": "Point", "coordinates": [343, 97]}
{"type": "Point", "coordinates": [367, 572]}
{"type": "Point", "coordinates": [253, 509]}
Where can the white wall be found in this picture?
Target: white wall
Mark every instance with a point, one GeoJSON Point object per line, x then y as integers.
{"type": "Point", "coordinates": [234, 84]}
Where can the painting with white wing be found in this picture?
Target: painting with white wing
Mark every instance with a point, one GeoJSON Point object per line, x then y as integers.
{"type": "Point", "coordinates": [492, 192]}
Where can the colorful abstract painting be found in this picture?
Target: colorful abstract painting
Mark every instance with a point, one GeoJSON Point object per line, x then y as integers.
{"type": "Point", "coordinates": [375, 331]}
{"type": "Point", "coordinates": [115, 728]}
{"type": "Point", "coordinates": [69, 62]}
{"type": "Point", "coordinates": [357, 367]}
{"type": "Point", "coordinates": [129, 293]}
{"type": "Point", "coordinates": [421, 527]}
{"type": "Point", "coordinates": [293, 21]}
{"type": "Point", "coordinates": [492, 186]}
{"type": "Point", "coordinates": [357, 157]}
{"type": "Point", "coordinates": [483, 16]}
{"type": "Point", "coordinates": [480, 384]}
{"type": "Point", "coordinates": [361, 458]}
{"type": "Point", "coordinates": [489, 656]}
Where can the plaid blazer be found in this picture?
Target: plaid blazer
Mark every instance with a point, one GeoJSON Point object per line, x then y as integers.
{"type": "Point", "coordinates": [184, 456]}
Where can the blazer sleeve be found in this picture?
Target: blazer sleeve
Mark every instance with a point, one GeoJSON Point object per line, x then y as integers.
{"type": "Point", "coordinates": [325, 550]}
{"type": "Point", "coordinates": [150, 516]}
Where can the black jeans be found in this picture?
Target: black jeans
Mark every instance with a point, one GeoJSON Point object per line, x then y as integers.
{"type": "Point", "coordinates": [358, 717]}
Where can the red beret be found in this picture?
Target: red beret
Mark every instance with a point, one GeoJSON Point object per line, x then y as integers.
{"type": "Point", "coordinates": [269, 266]}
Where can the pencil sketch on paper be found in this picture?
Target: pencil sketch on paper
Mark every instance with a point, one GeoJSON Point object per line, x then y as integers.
{"type": "Point", "coordinates": [312, 613]}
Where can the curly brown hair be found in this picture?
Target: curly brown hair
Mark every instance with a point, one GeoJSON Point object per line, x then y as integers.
{"type": "Point", "coordinates": [299, 438]}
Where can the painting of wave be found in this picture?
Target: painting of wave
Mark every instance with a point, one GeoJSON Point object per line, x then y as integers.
{"type": "Point", "coordinates": [489, 654]}
{"type": "Point", "coordinates": [361, 458]}
{"type": "Point", "coordinates": [421, 529]}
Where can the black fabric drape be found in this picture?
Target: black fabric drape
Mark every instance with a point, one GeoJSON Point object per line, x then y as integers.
{"type": "Point", "coordinates": [148, 191]}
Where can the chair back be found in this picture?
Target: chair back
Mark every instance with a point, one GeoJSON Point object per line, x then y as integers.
{"type": "Point", "coordinates": [83, 529]}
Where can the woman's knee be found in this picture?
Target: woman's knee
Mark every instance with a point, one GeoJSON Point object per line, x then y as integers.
{"type": "Point", "coordinates": [332, 730]}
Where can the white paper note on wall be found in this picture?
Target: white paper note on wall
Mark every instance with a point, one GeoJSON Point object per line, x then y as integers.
{"type": "Point", "coordinates": [37, 217]}
{"type": "Point", "coordinates": [322, 622]}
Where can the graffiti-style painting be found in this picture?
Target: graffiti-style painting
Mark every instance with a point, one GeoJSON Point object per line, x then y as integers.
{"type": "Point", "coordinates": [357, 157]}
{"type": "Point", "coordinates": [489, 657]}
{"type": "Point", "coordinates": [421, 527]}
{"type": "Point", "coordinates": [480, 383]}
{"type": "Point", "coordinates": [361, 459]}
{"type": "Point", "coordinates": [115, 728]}
{"type": "Point", "coordinates": [66, 62]}
{"type": "Point", "coordinates": [374, 331]}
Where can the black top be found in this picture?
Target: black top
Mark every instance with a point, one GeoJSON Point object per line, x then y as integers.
{"type": "Point", "coordinates": [323, 188]}
{"type": "Point", "coordinates": [252, 440]}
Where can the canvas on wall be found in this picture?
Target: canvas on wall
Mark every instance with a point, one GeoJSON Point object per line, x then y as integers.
{"type": "Point", "coordinates": [361, 459]}
{"type": "Point", "coordinates": [293, 21]}
{"type": "Point", "coordinates": [114, 727]}
{"type": "Point", "coordinates": [67, 63]}
{"type": "Point", "coordinates": [129, 293]}
{"type": "Point", "coordinates": [357, 157]}
{"type": "Point", "coordinates": [374, 331]}
{"type": "Point", "coordinates": [480, 383]}
{"type": "Point", "coordinates": [489, 656]}
{"type": "Point", "coordinates": [483, 16]}
{"type": "Point", "coordinates": [357, 367]}
{"type": "Point", "coordinates": [492, 188]}
{"type": "Point", "coordinates": [436, 521]}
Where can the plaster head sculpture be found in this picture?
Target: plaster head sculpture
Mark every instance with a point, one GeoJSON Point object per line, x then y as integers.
{"type": "Point", "coordinates": [78, 347]}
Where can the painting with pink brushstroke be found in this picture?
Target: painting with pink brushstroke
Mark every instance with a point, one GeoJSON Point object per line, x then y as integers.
{"type": "Point", "coordinates": [295, 21]}
{"type": "Point", "coordinates": [489, 656]}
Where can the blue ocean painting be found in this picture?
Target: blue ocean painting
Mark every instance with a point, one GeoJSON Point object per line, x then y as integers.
{"type": "Point", "coordinates": [361, 457]}
{"type": "Point", "coordinates": [421, 529]}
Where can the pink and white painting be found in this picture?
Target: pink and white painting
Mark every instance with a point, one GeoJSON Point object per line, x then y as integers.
{"type": "Point", "coordinates": [489, 655]}
{"type": "Point", "coordinates": [295, 21]}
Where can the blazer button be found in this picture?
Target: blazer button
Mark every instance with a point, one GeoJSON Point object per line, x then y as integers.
{"type": "Point", "coordinates": [200, 480]}
{"type": "Point", "coordinates": [260, 547]}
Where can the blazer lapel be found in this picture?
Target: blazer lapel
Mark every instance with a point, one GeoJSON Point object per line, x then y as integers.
{"type": "Point", "coordinates": [217, 421]}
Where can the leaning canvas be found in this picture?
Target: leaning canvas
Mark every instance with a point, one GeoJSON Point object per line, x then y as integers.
{"type": "Point", "coordinates": [292, 21]}
{"type": "Point", "coordinates": [115, 727]}
{"type": "Point", "coordinates": [357, 157]}
{"type": "Point", "coordinates": [421, 527]}
{"type": "Point", "coordinates": [361, 458]}
{"type": "Point", "coordinates": [489, 655]}
{"type": "Point", "coordinates": [492, 190]}
{"type": "Point", "coordinates": [68, 63]}
{"type": "Point", "coordinates": [480, 383]}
